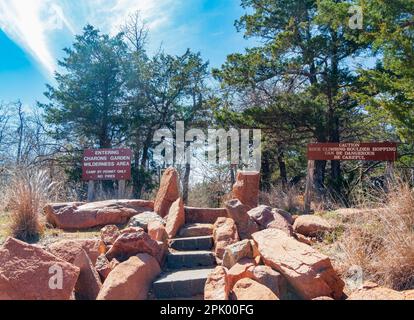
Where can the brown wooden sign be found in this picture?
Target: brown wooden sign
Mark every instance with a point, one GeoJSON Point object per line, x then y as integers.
{"type": "Point", "coordinates": [383, 151]}
{"type": "Point", "coordinates": [106, 164]}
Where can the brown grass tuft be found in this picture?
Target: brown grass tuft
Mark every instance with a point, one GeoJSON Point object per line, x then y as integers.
{"type": "Point", "coordinates": [381, 241]}
{"type": "Point", "coordinates": [288, 200]}
{"type": "Point", "coordinates": [27, 194]}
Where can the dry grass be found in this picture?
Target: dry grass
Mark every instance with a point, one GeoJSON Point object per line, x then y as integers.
{"type": "Point", "coordinates": [27, 194]}
{"type": "Point", "coordinates": [289, 200]}
{"type": "Point", "coordinates": [381, 241]}
{"type": "Point", "coordinates": [4, 226]}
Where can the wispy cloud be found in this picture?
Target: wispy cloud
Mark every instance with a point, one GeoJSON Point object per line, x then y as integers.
{"type": "Point", "coordinates": [32, 23]}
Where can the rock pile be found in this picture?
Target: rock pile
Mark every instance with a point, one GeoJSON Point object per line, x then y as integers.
{"type": "Point", "coordinates": [262, 253]}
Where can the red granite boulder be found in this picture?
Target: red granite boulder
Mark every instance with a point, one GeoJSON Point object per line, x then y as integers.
{"type": "Point", "coordinates": [224, 234]}
{"type": "Point", "coordinates": [95, 214]}
{"type": "Point", "coordinates": [131, 280]}
{"type": "Point", "coordinates": [307, 270]}
{"type": "Point", "coordinates": [28, 272]}
{"type": "Point", "coordinates": [246, 188]}
{"type": "Point", "coordinates": [168, 192]}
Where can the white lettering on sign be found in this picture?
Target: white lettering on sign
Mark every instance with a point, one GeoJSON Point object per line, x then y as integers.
{"type": "Point", "coordinates": [108, 164]}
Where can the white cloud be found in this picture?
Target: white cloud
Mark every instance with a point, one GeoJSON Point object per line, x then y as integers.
{"type": "Point", "coordinates": [156, 13]}
{"type": "Point", "coordinates": [21, 20]}
{"type": "Point", "coordinates": [32, 23]}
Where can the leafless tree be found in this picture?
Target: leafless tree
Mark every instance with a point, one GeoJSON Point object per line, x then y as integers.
{"type": "Point", "coordinates": [135, 31]}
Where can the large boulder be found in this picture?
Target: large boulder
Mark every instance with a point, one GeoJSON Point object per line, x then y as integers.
{"type": "Point", "coordinates": [60, 205]}
{"type": "Point", "coordinates": [269, 278]}
{"type": "Point", "coordinates": [95, 214]}
{"type": "Point", "coordinates": [28, 272]}
{"type": "Point", "coordinates": [157, 232]}
{"type": "Point", "coordinates": [104, 267]}
{"type": "Point", "coordinates": [74, 251]}
{"type": "Point", "coordinates": [224, 234]}
{"type": "Point", "coordinates": [311, 226]}
{"type": "Point", "coordinates": [204, 215]}
{"type": "Point", "coordinates": [248, 289]}
{"type": "Point", "coordinates": [131, 280]}
{"type": "Point", "coordinates": [68, 250]}
{"type": "Point", "coordinates": [267, 218]}
{"type": "Point", "coordinates": [131, 243]}
{"type": "Point", "coordinates": [89, 282]}
{"type": "Point", "coordinates": [281, 224]}
{"type": "Point", "coordinates": [372, 291]}
{"type": "Point", "coordinates": [307, 270]}
{"type": "Point", "coordinates": [217, 285]}
{"type": "Point", "coordinates": [176, 218]}
{"type": "Point", "coordinates": [240, 271]}
{"type": "Point", "coordinates": [246, 188]}
{"type": "Point", "coordinates": [109, 234]}
{"type": "Point", "coordinates": [288, 216]}
{"type": "Point", "coordinates": [168, 192]}
{"type": "Point", "coordinates": [233, 253]}
{"type": "Point", "coordinates": [143, 219]}
{"type": "Point", "coordinates": [237, 211]}
{"type": "Point", "coordinates": [246, 268]}
{"type": "Point", "coordinates": [262, 215]}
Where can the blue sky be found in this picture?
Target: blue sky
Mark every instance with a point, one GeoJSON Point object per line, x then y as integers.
{"type": "Point", "coordinates": [34, 32]}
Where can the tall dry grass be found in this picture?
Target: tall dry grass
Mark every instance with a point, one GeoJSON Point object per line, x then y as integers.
{"type": "Point", "coordinates": [289, 200]}
{"type": "Point", "coordinates": [27, 194]}
{"type": "Point", "coordinates": [381, 241]}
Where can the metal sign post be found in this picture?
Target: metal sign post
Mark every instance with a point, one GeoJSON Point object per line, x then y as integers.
{"type": "Point", "coordinates": [91, 190]}
{"type": "Point", "coordinates": [309, 186]}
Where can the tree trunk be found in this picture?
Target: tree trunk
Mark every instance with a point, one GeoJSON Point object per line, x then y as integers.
{"type": "Point", "coordinates": [144, 165]}
{"type": "Point", "coordinates": [319, 177]}
{"type": "Point", "coordinates": [233, 170]}
{"type": "Point", "coordinates": [333, 118]}
{"type": "Point", "coordinates": [282, 169]}
{"type": "Point", "coordinates": [266, 171]}
{"type": "Point", "coordinates": [20, 133]}
{"type": "Point", "coordinates": [135, 182]}
{"type": "Point", "coordinates": [336, 174]}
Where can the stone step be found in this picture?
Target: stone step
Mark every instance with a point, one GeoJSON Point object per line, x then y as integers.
{"type": "Point", "coordinates": [191, 244]}
{"type": "Point", "coordinates": [204, 215]}
{"type": "Point", "coordinates": [196, 230]}
{"type": "Point", "coordinates": [190, 259]}
{"type": "Point", "coordinates": [181, 284]}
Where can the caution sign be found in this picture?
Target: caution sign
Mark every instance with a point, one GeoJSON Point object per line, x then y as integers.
{"type": "Point", "coordinates": [383, 151]}
{"type": "Point", "coordinates": [106, 164]}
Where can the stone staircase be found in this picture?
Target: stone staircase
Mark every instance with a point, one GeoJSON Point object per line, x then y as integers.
{"type": "Point", "coordinates": [188, 264]}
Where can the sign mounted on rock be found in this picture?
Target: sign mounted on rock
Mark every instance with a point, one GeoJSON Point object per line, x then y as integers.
{"type": "Point", "coordinates": [106, 164]}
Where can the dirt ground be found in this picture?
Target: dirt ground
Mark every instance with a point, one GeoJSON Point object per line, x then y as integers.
{"type": "Point", "coordinates": [50, 235]}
